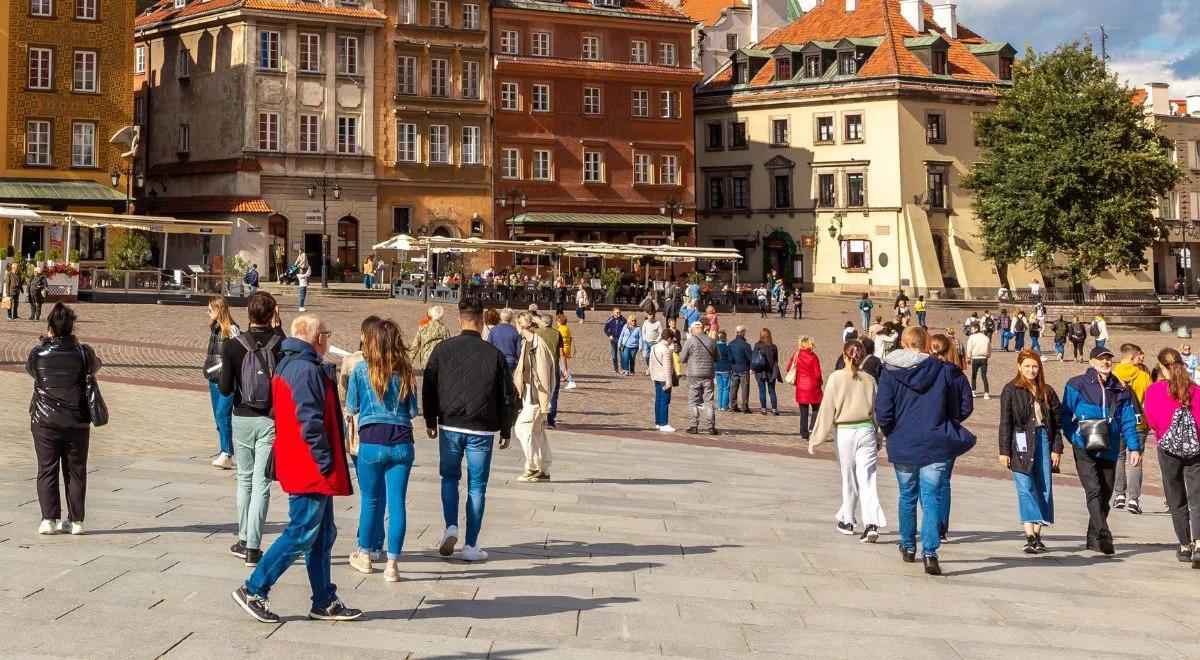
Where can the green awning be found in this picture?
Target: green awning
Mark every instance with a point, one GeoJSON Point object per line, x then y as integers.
{"type": "Point", "coordinates": [597, 220]}
{"type": "Point", "coordinates": [52, 191]}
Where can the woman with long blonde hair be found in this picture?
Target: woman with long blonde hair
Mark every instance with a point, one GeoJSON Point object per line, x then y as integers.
{"type": "Point", "coordinates": [1031, 444]}
{"type": "Point", "coordinates": [221, 328]}
{"type": "Point", "coordinates": [382, 392]}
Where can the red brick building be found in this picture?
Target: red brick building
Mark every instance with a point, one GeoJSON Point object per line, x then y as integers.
{"type": "Point", "coordinates": [593, 107]}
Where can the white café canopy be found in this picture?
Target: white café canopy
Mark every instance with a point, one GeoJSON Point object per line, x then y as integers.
{"type": "Point", "coordinates": [441, 244]}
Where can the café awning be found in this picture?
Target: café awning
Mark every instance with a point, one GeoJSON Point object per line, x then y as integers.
{"type": "Point", "coordinates": [439, 244]}
{"type": "Point", "coordinates": [595, 220]}
{"type": "Point", "coordinates": [150, 223]}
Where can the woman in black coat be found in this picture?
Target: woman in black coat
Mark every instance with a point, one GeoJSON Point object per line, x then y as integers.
{"type": "Point", "coordinates": [60, 420]}
{"type": "Point", "coordinates": [764, 361]}
{"type": "Point", "coordinates": [1031, 445]}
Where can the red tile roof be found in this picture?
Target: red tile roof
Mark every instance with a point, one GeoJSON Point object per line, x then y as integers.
{"type": "Point", "coordinates": [637, 7]}
{"type": "Point", "coordinates": [1139, 96]}
{"type": "Point", "coordinates": [708, 11]}
{"type": "Point", "coordinates": [165, 9]}
{"type": "Point", "coordinates": [212, 204]}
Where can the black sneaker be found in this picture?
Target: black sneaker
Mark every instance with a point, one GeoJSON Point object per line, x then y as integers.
{"type": "Point", "coordinates": [1106, 545]}
{"type": "Point", "coordinates": [253, 556]}
{"type": "Point", "coordinates": [909, 555]}
{"type": "Point", "coordinates": [238, 549]}
{"type": "Point", "coordinates": [1030, 545]}
{"type": "Point", "coordinates": [747, 411]}
{"type": "Point", "coordinates": [542, 476]}
{"type": "Point", "coordinates": [931, 565]}
{"type": "Point", "coordinates": [1196, 557]}
{"type": "Point", "coordinates": [734, 409]}
{"type": "Point", "coordinates": [1133, 507]}
{"type": "Point", "coordinates": [714, 432]}
{"type": "Point", "coordinates": [869, 535]}
{"type": "Point", "coordinates": [337, 611]}
{"type": "Point", "coordinates": [254, 606]}
{"type": "Point", "coordinates": [1037, 541]}
{"type": "Point", "coordinates": [845, 528]}
{"type": "Point", "coordinates": [693, 430]}
{"type": "Point", "coordinates": [1183, 554]}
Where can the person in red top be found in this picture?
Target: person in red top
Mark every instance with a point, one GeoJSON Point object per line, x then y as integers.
{"type": "Point", "coordinates": [808, 384]}
{"type": "Point", "coordinates": [310, 465]}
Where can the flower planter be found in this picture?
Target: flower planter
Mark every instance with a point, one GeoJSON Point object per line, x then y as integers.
{"type": "Point", "coordinates": [61, 287]}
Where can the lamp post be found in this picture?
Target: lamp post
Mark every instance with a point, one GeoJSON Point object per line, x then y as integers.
{"type": "Point", "coordinates": [514, 199]}
{"type": "Point", "coordinates": [1187, 230]}
{"type": "Point", "coordinates": [671, 208]}
{"type": "Point", "coordinates": [134, 177]}
{"type": "Point", "coordinates": [325, 184]}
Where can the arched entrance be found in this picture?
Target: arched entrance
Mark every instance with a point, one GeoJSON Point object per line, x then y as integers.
{"type": "Point", "coordinates": [347, 243]}
{"type": "Point", "coordinates": [277, 235]}
{"type": "Point", "coordinates": [779, 251]}
{"type": "Point", "coordinates": [441, 259]}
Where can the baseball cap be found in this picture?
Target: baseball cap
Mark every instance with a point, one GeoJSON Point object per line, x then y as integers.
{"type": "Point", "coordinates": [1101, 351]}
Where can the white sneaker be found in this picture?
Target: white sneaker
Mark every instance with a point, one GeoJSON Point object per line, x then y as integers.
{"type": "Point", "coordinates": [300, 309]}
{"type": "Point", "coordinates": [987, 397]}
{"type": "Point", "coordinates": [667, 428]}
{"type": "Point", "coordinates": [570, 385]}
{"type": "Point", "coordinates": [473, 553]}
{"type": "Point", "coordinates": [48, 527]}
{"type": "Point", "coordinates": [223, 461]}
{"type": "Point", "coordinates": [449, 540]}
{"type": "Point", "coordinates": [70, 527]}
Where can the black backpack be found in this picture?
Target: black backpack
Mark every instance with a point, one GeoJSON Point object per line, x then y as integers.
{"type": "Point", "coordinates": [1094, 330]}
{"type": "Point", "coordinates": [758, 362]}
{"type": "Point", "coordinates": [989, 323]}
{"type": "Point", "coordinates": [1019, 324]}
{"type": "Point", "coordinates": [258, 367]}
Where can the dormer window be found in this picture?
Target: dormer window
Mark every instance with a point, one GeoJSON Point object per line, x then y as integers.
{"type": "Point", "coordinates": [939, 64]}
{"type": "Point", "coordinates": [1006, 68]}
{"type": "Point", "coordinates": [783, 68]}
{"type": "Point", "coordinates": [812, 66]}
{"type": "Point", "coordinates": [608, 3]}
{"type": "Point", "coordinates": [847, 64]}
{"type": "Point", "coordinates": [741, 73]}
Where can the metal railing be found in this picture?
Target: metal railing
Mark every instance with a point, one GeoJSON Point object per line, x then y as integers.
{"type": "Point", "coordinates": [148, 281]}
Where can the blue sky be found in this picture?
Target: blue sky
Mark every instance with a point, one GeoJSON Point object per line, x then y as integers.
{"type": "Point", "coordinates": [1149, 40]}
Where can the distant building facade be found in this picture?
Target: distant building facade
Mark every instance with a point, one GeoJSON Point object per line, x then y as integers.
{"type": "Point", "coordinates": [1179, 119]}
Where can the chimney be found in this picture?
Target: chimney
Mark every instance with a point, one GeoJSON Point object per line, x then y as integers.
{"type": "Point", "coordinates": [1157, 101]}
{"type": "Point", "coordinates": [1193, 106]}
{"type": "Point", "coordinates": [913, 13]}
{"type": "Point", "coordinates": [946, 16]}
{"type": "Point", "coordinates": [808, 5]}
{"type": "Point", "coordinates": [753, 22]}
{"type": "Point", "coordinates": [850, 5]}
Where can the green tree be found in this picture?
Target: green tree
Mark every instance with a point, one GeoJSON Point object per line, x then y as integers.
{"type": "Point", "coordinates": [1068, 167]}
{"type": "Point", "coordinates": [125, 250]}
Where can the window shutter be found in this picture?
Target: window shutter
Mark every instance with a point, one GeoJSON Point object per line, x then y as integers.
{"type": "Point", "coordinates": [845, 254]}
{"type": "Point", "coordinates": [867, 255]}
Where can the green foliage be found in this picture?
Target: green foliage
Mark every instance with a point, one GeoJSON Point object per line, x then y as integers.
{"type": "Point", "coordinates": [39, 256]}
{"type": "Point", "coordinates": [125, 250]}
{"type": "Point", "coordinates": [1069, 169]}
{"type": "Point", "coordinates": [234, 269]}
{"type": "Point", "coordinates": [611, 281]}
{"type": "Point", "coordinates": [74, 258]}
{"type": "Point", "coordinates": [53, 254]}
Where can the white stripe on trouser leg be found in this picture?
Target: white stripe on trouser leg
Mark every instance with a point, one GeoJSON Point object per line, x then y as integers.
{"type": "Point", "coordinates": [530, 430]}
{"type": "Point", "coordinates": [858, 457]}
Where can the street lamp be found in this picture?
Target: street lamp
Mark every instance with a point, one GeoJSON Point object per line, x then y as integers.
{"type": "Point", "coordinates": [517, 200]}
{"type": "Point", "coordinates": [134, 177]}
{"type": "Point", "coordinates": [1186, 230]}
{"type": "Point", "coordinates": [835, 231]}
{"type": "Point", "coordinates": [326, 185]}
{"type": "Point", "coordinates": [671, 208]}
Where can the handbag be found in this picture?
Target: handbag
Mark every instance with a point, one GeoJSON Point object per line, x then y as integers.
{"type": "Point", "coordinates": [1096, 433]}
{"type": "Point", "coordinates": [790, 376]}
{"type": "Point", "coordinates": [97, 409]}
{"type": "Point", "coordinates": [1181, 438]}
{"type": "Point", "coordinates": [7, 302]}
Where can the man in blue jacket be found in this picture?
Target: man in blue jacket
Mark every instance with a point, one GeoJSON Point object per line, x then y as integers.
{"type": "Point", "coordinates": [1096, 394]}
{"type": "Point", "coordinates": [612, 330]}
{"type": "Point", "coordinates": [920, 408]}
{"type": "Point", "coordinates": [740, 355]}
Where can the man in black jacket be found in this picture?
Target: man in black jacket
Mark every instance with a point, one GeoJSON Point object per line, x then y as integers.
{"type": "Point", "coordinates": [469, 394]}
{"type": "Point", "coordinates": [739, 359]}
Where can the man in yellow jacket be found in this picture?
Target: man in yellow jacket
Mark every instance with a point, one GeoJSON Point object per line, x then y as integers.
{"type": "Point", "coordinates": [1131, 373]}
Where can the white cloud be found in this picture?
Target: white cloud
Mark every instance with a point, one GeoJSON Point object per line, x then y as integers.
{"type": "Point", "coordinates": [1145, 67]}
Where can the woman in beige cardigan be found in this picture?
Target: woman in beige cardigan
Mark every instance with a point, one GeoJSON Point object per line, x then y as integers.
{"type": "Point", "coordinates": [534, 379]}
{"type": "Point", "coordinates": [849, 404]}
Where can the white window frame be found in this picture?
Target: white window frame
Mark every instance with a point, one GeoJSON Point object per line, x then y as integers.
{"type": "Point", "coordinates": [510, 96]}
{"type": "Point", "coordinates": [268, 131]}
{"type": "Point", "coordinates": [83, 144]}
{"type": "Point", "coordinates": [349, 62]}
{"type": "Point", "coordinates": [439, 13]}
{"type": "Point", "coordinates": [540, 98]}
{"type": "Point", "coordinates": [41, 8]}
{"type": "Point", "coordinates": [471, 145]}
{"type": "Point", "coordinates": [86, 10]}
{"type": "Point", "coordinates": [510, 163]}
{"type": "Point", "coordinates": [404, 12]}
{"type": "Point", "coordinates": [439, 144]}
{"type": "Point", "coordinates": [542, 165]}
{"type": "Point", "coordinates": [38, 143]}
{"type": "Point", "coordinates": [668, 170]}
{"type": "Point", "coordinates": [310, 133]}
{"type": "Point", "coordinates": [510, 42]}
{"type": "Point", "coordinates": [180, 3]}
{"type": "Point", "coordinates": [40, 74]}
{"type": "Point", "coordinates": [348, 142]}
{"type": "Point", "coordinates": [641, 103]}
{"type": "Point", "coordinates": [591, 101]}
{"type": "Point", "coordinates": [589, 48]}
{"type": "Point", "coordinates": [540, 44]}
{"type": "Point", "coordinates": [408, 77]}
{"type": "Point", "coordinates": [309, 49]}
{"type": "Point", "coordinates": [183, 139]}
{"type": "Point", "coordinates": [470, 79]}
{"type": "Point", "coordinates": [668, 104]}
{"type": "Point", "coordinates": [270, 57]}
{"type": "Point", "coordinates": [139, 59]}
{"type": "Point", "coordinates": [639, 51]}
{"type": "Point", "coordinates": [408, 142]}
{"type": "Point", "coordinates": [85, 72]}
{"type": "Point", "coordinates": [183, 63]}
{"type": "Point", "coordinates": [470, 16]}
{"type": "Point", "coordinates": [593, 167]}
{"type": "Point", "coordinates": [439, 77]}
{"type": "Point", "coordinates": [668, 53]}
{"type": "Point", "coordinates": [643, 169]}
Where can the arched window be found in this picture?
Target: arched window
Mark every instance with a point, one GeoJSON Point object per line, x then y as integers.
{"type": "Point", "coordinates": [347, 242]}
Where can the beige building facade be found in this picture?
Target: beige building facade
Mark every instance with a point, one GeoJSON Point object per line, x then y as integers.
{"type": "Point", "coordinates": [1179, 119]}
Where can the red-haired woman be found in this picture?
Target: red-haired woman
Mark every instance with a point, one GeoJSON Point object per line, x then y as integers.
{"type": "Point", "coordinates": [1031, 445]}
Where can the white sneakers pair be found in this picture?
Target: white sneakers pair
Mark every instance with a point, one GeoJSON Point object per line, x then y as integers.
{"type": "Point", "coordinates": [570, 385]}
{"type": "Point", "coordinates": [50, 527]}
{"type": "Point", "coordinates": [665, 428]}
{"type": "Point", "coordinates": [224, 461]}
{"type": "Point", "coordinates": [469, 552]}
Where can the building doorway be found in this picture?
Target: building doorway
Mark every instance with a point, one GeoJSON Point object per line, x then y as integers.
{"type": "Point", "coordinates": [312, 248]}
{"type": "Point", "coordinates": [440, 259]}
{"type": "Point", "coordinates": [347, 245]}
{"type": "Point", "coordinates": [33, 240]}
{"type": "Point", "coordinates": [277, 229]}
{"type": "Point", "coordinates": [779, 251]}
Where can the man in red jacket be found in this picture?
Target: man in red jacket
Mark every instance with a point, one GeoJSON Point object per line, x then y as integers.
{"type": "Point", "coordinates": [310, 464]}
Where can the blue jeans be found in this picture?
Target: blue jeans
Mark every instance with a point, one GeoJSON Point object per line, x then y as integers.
{"type": "Point", "coordinates": [616, 354]}
{"type": "Point", "coordinates": [1060, 348]}
{"type": "Point", "coordinates": [922, 482]}
{"type": "Point", "coordinates": [303, 293]}
{"type": "Point", "coordinates": [368, 281]}
{"type": "Point", "coordinates": [1005, 337]}
{"type": "Point", "coordinates": [866, 319]}
{"type": "Point", "coordinates": [662, 404]}
{"type": "Point", "coordinates": [628, 358]}
{"type": "Point", "coordinates": [477, 447]}
{"type": "Point", "coordinates": [1100, 343]}
{"type": "Point", "coordinates": [1035, 344]}
{"type": "Point", "coordinates": [222, 407]}
{"type": "Point", "coordinates": [1035, 494]}
{"type": "Point", "coordinates": [921, 319]}
{"type": "Point", "coordinates": [722, 391]}
{"type": "Point", "coordinates": [944, 500]}
{"type": "Point", "coordinates": [550, 417]}
{"type": "Point", "coordinates": [646, 353]}
{"type": "Point", "coordinates": [310, 532]}
{"type": "Point", "coordinates": [763, 388]}
{"type": "Point", "coordinates": [1019, 337]}
{"type": "Point", "coordinates": [383, 476]}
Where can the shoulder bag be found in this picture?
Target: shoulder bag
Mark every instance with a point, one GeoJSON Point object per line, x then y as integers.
{"type": "Point", "coordinates": [1096, 432]}
{"type": "Point", "coordinates": [97, 409]}
{"type": "Point", "coordinates": [790, 377]}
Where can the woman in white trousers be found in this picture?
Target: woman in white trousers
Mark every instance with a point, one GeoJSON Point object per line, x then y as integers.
{"type": "Point", "coordinates": [849, 406]}
{"type": "Point", "coordinates": [533, 378]}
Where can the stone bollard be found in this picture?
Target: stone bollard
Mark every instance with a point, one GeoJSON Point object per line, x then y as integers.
{"type": "Point", "coordinates": [1165, 326]}
{"type": "Point", "coordinates": [1183, 332]}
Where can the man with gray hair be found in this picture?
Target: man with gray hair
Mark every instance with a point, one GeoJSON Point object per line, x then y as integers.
{"type": "Point", "coordinates": [700, 354]}
{"type": "Point", "coordinates": [554, 340]}
{"type": "Point", "coordinates": [740, 354]}
{"type": "Point", "coordinates": [506, 338]}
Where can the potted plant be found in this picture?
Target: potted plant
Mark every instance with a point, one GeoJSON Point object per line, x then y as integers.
{"type": "Point", "coordinates": [74, 258]}
{"type": "Point", "coordinates": [53, 255]}
{"type": "Point", "coordinates": [233, 270]}
{"type": "Point", "coordinates": [39, 256]}
{"type": "Point", "coordinates": [611, 281]}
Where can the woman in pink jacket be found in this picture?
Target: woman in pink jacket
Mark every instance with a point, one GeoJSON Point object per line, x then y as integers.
{"type": "Point", "coordinates": [808, 384]}
{"type": "Point", "coordinates": [1172, 408]}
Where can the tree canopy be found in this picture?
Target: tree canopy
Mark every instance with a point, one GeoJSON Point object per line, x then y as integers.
{"type": "Point", "coordinates": [1069, 167]}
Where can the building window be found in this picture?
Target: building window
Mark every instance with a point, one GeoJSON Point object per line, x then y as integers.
{"type": "Point", "coordinates": [404, 15]}
{"type": "Point", "coordinates": [90, 242]}
{"type": "Point", "coordinates": [668, 171]}
{"type": "Point", "coordinates": [347, 57]}
{"type": "Point", "coordinates": [716, 193]}
{"type": "Point", "coordinates": [779, 132]}
{"type": "Point", "coordinates": [937, 189]}
{"type": "Point", "coordinates": [541, 44]}
{"type": "Point", "coordinates": [856, 254]}
{"type": "Point", "coordinates": [139, 59]}
{"type": "Point", "coordinates": [41, 7]}
{"type": "Point", "coordinates": [939, 60]}
{"type": "Point", "coordinates": [716, 137]}
{"type": "Point", "coordinates": [642, 169]}
{"type": "Point", "coordinates": [472, 151]}
{"type": "Point", "coordinates": [85, 10]}
{"type": "Point", "coordinates": [510, 42]}
{"type": "Point", "coordinates": [593, 167]}
{"type": "Point", "coordinates": [541, 165]}
{"type": "Point", "coordinates": [737, 135]}
{"type": "Point", "coordinates": [184, 144]}
{"type": "Point", "coordinates": [856, 189]}
{"type": "Point", "coordinates": [310, 53]}
{"type": "Point", "coordinates": [935, 128]}
{"type": "Point", "coordinates": [783, 68]}
{"type": "Point", "coordinates": [470, 17]}
{"type": "Point", "coordinates": [83, 144]}
{"type": "Point", "coordinates": [854, 128]}
{"type": "Point", "coordinates": [509, 97]}
{"type": "Point", "coordinates": [541, 98]}
{"type": "Point", "coordinates": [183, 65]}
{"type": "Point", "coordinates": [812, 66]}
{"type": "Point", "coordinates": [782, 184]}
{"type": "Point", "coordinates": [439, 77]}
{"type": "Point", "coordinates": [591, 100]}
{"type": "Point", "coordinates": [470, 79]}
{"type": "Point", "coordinates": [406, 74]}
{"type": "Point", "coordinates": [84, 78]}
{"type": "Point", "coordinates": [668, 104]}
{"type": "Point", "coordinates": [406, 143]}
{"type": "Point", "coordinates": [268, 50]}
{"type": "Point", "coordinates": [510, 164]}
{"type": "Point", "coordinates": [439, 13]}
{"type": "Point", "coordinates": [37, 142]}
{"type": "Point", "coordinates": [139, 110]}
{"type": "Point", "coordinates": [439, 144]}
{"type": "Point", "coordinates": [666, 54]}
{"type": "Point", "coordinates": [1006, 68]}
{"type": "Point", "coordinates": [591, 48]}
{"type": "Point", "coordinates": [268, 131]}
{"type": "Point", "coordinates": [847, 64]}
{"type": "Point", "coordinates": [741, 192]}
{"type": "Point", "coordinates": [641, 103]}
{"type": "Point", "coordinates": [741, 73]}
{"type": "Point", "coordinates": [731, 41]}
{"type": "Point", "coordinates": [41, 68]}
{"type": "Point", "coordinates": [826, 190]}
{"type": "Point", "coordinates": [347, 128]}
{"type": "Point", "coordinates": [824, 130]}
{"type": "Point", "coordinates": [639, 52]}
{"type": "Point", "coordinates": [310, 133]}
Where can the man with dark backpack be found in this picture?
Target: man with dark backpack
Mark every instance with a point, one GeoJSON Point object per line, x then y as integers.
{"type": "Point", "coordinates": [251, 279]}
{"type": "Point", "coordinates": [249, 364]}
